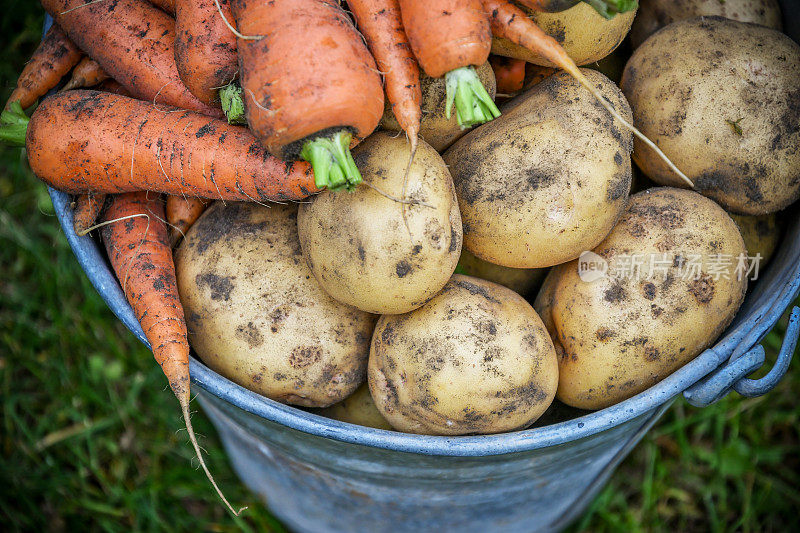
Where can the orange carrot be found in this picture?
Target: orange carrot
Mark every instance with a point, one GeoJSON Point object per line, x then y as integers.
{"type": "Point", "coordinates": [205, 49]}
{"type": "Point", "coordinates": [509, 73]}
{"type": "Point", "coordinates": [133, 41]}
{"type": "Point", "coordinates": [55, 57]}
{"type": "Point", "coordinates": [310, 85]}
{"type": "Point", "coordinates": [450, 38]}
{"type": "Point", "coordinates": [87, 73]}
{"type": "Point", "coordinates": [510, 22]}
{"type": "Point", "coordinates": [381, 24]}
{"type": "Point", "coordinates": [112, 86]}
{"type": "Point", "coordinates": [91, 141]}
{"type": "Point", "coordinates": [165, 5]}
{"type": "Point", "coordinates": [135, 238]}
{"type": "Point", "coordinates": [181, 214]}
{"type": "Point", "coordinates": [87, 207]}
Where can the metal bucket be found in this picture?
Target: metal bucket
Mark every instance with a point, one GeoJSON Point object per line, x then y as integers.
{"type": "Point", "coordinates": [318, 474]}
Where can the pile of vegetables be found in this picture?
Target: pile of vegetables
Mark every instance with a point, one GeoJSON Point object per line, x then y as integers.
{"type": "Point", "coordinates": [394, 294]}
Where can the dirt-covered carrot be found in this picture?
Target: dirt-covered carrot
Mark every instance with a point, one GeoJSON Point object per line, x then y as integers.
{"type": "Point", "coordinates": [607, 8]}
{"type": "Point", "coordinates": [509, 73]}
{"type": "Point", "coordinates": [133, 41]}
{"type": "Point", "coordinates": [382, 26]}
{"type": "Point", "coordinates": [54, 58]}
{"type": "Point", "coordinates": [92, 141]}
{"type": "Point", "coordinates": [113, 86]}
{"type": "Point", "coordinates": [165, 5]}
{"type": "Point", "coordinates": [135, 237]}
{"type": "Point", "coordinates": [450, 38]}
{"type": "Point", "coordinates": [87, 73]}
{"type": "Point", "coordinates": [510, 22]}
{"type": "Point", "coordinates": [87, 208]}
{"type": "Point", "coordinates": [181, 214]}
{"type": "Point", "coordinates": [205, 49]}
{"type": "Point", "coordinates": [311, 87]}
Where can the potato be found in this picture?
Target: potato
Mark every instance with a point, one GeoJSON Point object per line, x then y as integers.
{"type": "Point", "coordinates": [626, 331]}
{"type": "Point", "coordinates": [437, 130]}
{"type": "Point", "coordinates": [585, 34]}
{"type": "Point", "coordinates": [545, 301]}
{"type": "Point", "coordinates": [520, 280]}
{"type": "Point", "coordinates": [721, 99]}
{"type": "Point", "coordinates": [256, 315]}
{"type": "Point", "coordinates": [357, 244]}
{"type": "Point", "coordinates": [548, 179]}
{"type": "Point", "coordinates": [761, 235]}
{"type": "Point", "coordinates": [655, 14]}
{"type": "Point", "coordinates": [475, 359]}
{"type": "Point", "coordinates": [358, 408]}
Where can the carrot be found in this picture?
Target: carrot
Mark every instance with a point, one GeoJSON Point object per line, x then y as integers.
{"type": "Point", "coordinates": [133, 41]}
{"type": "Point", "coordinates": [381, 24]}
{"type": "Point", "coordinates": [165, 5]}
{"type": "Point", "coordinates": [91, 141]}
{"type": "Point", "coordinates": [509, 73]}
{"type": "Point", "coordinates": [181, 214]}
{"type": "Point", "coordinates": [112, 86]}
{"type": "Point", "coordinates": [87, 73]}
{"type": "Point", "coordinates": [311, 86]}
{"type": "Point", "coordinates": [510, 22]}
{"type": "Point", "coordinates": [87, 207]}
{"type": "Point", "coordinates": [205, 49]}
{"type": "Point", "coordinates": [54, 58]}
{"type": "Point", "coordinates": [450, 38]}
{"type": "Point", "coordinates": [135, 238]}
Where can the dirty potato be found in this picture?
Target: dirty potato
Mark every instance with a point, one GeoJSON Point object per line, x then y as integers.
{"type": "Point", "coordinates": [548, 179]}
{"type": "Point", "coordinates": [520, 280]}
{"type": "Point", "coordinates": [437, 130]}
{"type": "Point", "coordinates": [585, 34]}
{"type": "Point", "coordinates": [655, 14]}
{"type": "Point", "coordinates": [256, 315]}
{"type": "Point", "coordinates": [761, 235]}
{"type": "Point", "coordinates": [721, 99]}
{"type": "Point", "coordinates": [359, 409]}
{"type": "Point", "coordinates": [671, 287]}
{"type": "Point", "coordinates": [374, 253]}
{"type": "Point", "coordinates": [475, 359]}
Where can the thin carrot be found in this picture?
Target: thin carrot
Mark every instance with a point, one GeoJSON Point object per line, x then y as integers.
{"type": "Point", "coordinates": [509, 73]}
{"type": "Point", "coordinates": [135, 238]}
{"type": "Point", "coordinates": [205, 49]}
{"type": "Point", "coordinates": [91, 141]}
{"type": "Point", "coordinates": [133, 41]}
{"type": "Point", "coordinates": [54, 58]}
{"type": "Point", "coordinates": [165, 5]}
{"type": "Point", "coordinates": [310, 85]}
{"type": "Point", "coordinates": [450, 38]}
{"type": "Point", "coordinates": [181, 214]}
{"type": "Point", "coordinates": [510, 22]}
{"type": "Point", "coordinates": [382, 26]}
{"type": "Point", "coordinates": [87, 208]}
{"type": "Point", "coordinates": [112, 86]}
{"type": "Point", "coordinates": [87, 73]}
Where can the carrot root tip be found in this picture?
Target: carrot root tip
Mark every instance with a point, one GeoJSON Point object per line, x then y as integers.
{"type": "Point", "coordinates": [333, 164]}
{"type": "Point", "coordinates": [232, 102]}
{"type": "Point", "coordinates": [473, 104]}
{"type": "Point", "coordinates": [610, 8]}
{"type": "Point", "coordinates": [13, 125]}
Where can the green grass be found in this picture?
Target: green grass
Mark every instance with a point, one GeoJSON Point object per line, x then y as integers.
{"type": "Point", "coordinates": [91, 438]}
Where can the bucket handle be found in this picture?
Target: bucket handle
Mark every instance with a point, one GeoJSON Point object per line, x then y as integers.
{"type": "Point", "coordinates": [732, 375]}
